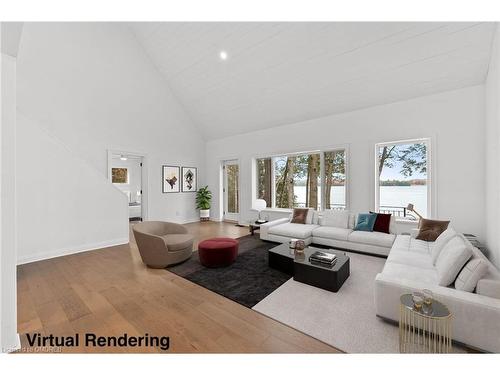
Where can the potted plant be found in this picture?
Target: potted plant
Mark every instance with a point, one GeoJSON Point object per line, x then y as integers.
{"type": "Point", "coordinates": [203, 199]}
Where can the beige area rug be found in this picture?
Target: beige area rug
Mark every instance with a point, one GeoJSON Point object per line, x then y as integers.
{"type": "Point", "coordinates": [346, 319]}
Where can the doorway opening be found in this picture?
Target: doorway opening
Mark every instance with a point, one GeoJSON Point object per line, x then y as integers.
{"type": "Point", "coordinates": [126, 172]}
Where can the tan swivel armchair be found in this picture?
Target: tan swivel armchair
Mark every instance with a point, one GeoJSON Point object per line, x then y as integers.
{"type": "Point", "coordinates": [162, 244]}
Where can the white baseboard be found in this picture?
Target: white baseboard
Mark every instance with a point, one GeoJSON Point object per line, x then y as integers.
{"type": "Point", "coordinates": [18, 342]}
{"type": "Point", "coordinates": [71, 250]}
{"type": "Point", "coordinates": [190, 220]}
{"type": "Point", "coordinates": [176, 220]}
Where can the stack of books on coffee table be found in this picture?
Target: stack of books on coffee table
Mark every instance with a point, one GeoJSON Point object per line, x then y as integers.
{"type": "Point", "coordinates": [321, 258]}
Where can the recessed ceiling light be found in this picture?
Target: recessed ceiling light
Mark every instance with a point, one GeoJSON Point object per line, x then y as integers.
{"type": "Point", "coordinates": [123, 158]}
{"type": "Point", "coordinates": [223, 55]}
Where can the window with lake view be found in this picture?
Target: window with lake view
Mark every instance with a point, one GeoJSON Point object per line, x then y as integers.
{"type": "Point", "coordinates": [296, 180]}
{"type": "Point", "coordinates": [402, 170]}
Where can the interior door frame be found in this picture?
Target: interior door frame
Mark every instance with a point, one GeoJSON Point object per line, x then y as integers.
{"type": "Point", "coordinates": [233, 217]}
{"type": "Point", "coordinates": [144, 178]}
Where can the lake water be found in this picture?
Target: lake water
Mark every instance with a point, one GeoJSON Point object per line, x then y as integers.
{"type": "Point", "coordinates": [389, 196]}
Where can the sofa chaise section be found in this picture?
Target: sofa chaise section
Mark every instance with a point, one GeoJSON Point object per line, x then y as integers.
{"type": "Point", "coordinates": [409, 267]}
{"type": "Point", "coordinates": [282, 230]}
{"type": "Point", "coordinates": [476, 318]}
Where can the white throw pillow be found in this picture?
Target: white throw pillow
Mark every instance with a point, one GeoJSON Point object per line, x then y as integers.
{"type": "Point", "coordinates": [310, 215]}
{"type": "Point", "coordinates": [392, 225]}
{"type": "Point", "coordinates": [353, 218]}
{"type": "Point", "coordinates": [440, 242]}
{"type": "Point", "coordinates": [451, 260]}
{"type": "Point", "coordinates": [473, 271]}
{"type": "Point", "coordinates": [336, 218]}
{"type": "Point", "coordinates": [315, 218]}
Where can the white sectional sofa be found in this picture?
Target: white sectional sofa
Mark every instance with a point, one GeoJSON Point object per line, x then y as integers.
{"type": "Point", "coordinates": [413, 265]}
{"type": "Point", "coordinates": [410, 267]}
{"type": "Point", "coordinates": [330, 228]}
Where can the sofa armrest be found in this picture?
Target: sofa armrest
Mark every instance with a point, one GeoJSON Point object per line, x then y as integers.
{"type": "Point", "coordinates": [488, 287]}
{"type": "Point", "coordinates": [449, 293]}
{"type": "Point", "coordinates": [264, 228]}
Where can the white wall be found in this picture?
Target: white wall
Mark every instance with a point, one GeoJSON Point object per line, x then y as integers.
{"type": "Point", "coordinates": [64, 205]}
{"type": "Point", "coordinates": [492, 153]}
{"type": "Point", "coordinates": [454, 120]}
{"type": "Point", "coordinates": [91, 88]}
{"type": "Point", "coordinates": [8, 310]}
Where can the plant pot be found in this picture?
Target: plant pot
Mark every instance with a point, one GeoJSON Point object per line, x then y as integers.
{"type": "Point", "coordinates": [204, 215]}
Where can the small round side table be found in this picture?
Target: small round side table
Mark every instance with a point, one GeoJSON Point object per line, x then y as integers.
{"type": "Point", "coordinates": [424, 332]}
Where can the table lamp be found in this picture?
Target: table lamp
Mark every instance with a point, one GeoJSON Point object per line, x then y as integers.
{"type": "Point", "coordinates": [411, 208]}
{"type": "Point", "coordinates": [260, 205]}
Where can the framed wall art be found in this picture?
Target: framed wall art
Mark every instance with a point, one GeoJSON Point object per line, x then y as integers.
{"type": "Point", "coordinates": [171, 179]}
{"type": "Point", "coordinates": [119, 175]}
{"type": "Point", "coordinates": [189, 179]}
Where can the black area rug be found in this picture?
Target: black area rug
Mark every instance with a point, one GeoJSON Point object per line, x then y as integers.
{"type": "Point", "coordinates": [247, 281]}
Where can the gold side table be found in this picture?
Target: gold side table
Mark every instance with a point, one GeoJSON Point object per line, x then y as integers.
{"type": "Point", "coordinates": [424, 332]}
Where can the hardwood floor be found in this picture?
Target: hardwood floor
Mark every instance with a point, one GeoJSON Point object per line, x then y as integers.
{"type": "Point", "coordinates": [110, 292]}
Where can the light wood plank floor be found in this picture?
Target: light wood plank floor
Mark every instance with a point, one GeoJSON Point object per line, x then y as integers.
{"type": "Point", "coordinates": [110, 292]}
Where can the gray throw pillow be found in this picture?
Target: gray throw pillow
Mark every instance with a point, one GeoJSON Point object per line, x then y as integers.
{"type": "Point", "coordinates": [473, 271]}
{"type": "Point", "coordinates": [451, 260]}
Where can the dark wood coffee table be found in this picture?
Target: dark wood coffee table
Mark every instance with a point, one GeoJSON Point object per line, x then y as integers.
{"type": "Point", "coordinates": [281, 258]}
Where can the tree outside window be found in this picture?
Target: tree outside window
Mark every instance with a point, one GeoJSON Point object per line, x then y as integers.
{"type": "Point", "coordinates": [297, 180]}
{"type": "Point", "coordinates": [335, 180]}
{"type": "Point", "coordinates": [403, 177]}
{"type": "Point", "coordinates": [264, 180]}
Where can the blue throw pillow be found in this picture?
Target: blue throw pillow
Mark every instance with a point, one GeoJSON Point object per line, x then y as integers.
{"type": "Point", "coordinates": [366, 222]}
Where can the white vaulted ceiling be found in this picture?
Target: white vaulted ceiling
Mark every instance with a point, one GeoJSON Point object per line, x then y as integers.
{"type": "Point", "coordinates": [281, 73]}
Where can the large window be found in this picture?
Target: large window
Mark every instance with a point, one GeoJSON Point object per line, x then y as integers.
{"type": "Point", "coordinates": [402, 178]}
{"type": "Point", "coordinates": [296, 180]}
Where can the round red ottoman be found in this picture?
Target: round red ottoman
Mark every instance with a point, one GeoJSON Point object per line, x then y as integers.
{"type": "Point", "coordinates": [217, 252]}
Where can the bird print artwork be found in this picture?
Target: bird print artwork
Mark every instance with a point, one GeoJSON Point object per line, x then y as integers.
{"type": "Point", "coordinates": [171, 178]}
{"type": "Point", "coordinates": [171, 181]}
